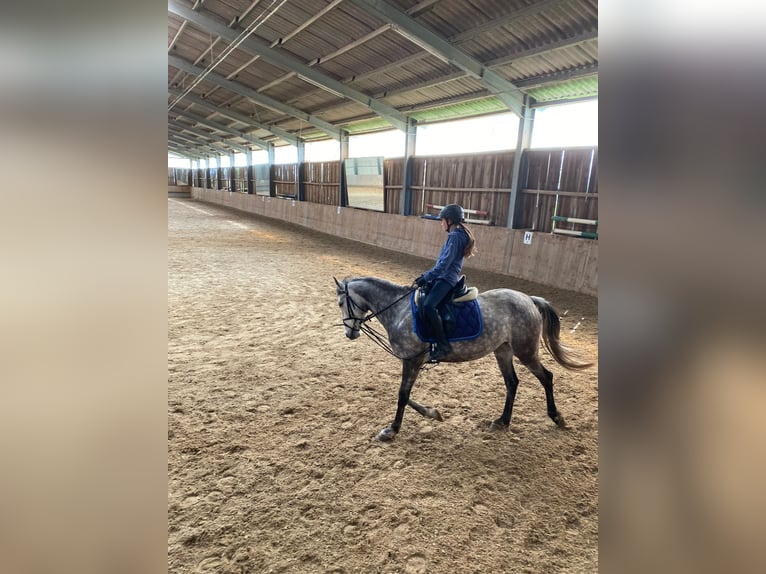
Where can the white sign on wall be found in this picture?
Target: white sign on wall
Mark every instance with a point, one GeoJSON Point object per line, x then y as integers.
{"type": "Point", "coordinates": [527, 238]}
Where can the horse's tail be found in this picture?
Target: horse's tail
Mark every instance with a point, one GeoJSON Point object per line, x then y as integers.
{"type": "Point", "coordinates": [564, 356]}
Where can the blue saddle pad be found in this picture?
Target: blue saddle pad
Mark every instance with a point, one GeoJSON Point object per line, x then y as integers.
{"type": "Point", "coordinates": [469, 324]}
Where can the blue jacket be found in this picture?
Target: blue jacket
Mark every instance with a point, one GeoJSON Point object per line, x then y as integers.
{"type": "Point", "coordinates": [450, 261]}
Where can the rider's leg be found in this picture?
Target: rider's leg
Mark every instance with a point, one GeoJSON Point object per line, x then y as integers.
{"type": "Point", "coordinates": [439, 291]}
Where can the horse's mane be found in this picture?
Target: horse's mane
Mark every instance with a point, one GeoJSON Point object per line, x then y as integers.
{"type": "Point", "coordinates": [378, 282]}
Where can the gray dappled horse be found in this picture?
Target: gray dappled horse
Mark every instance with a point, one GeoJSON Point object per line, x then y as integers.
{"type": "Point", "coordinates": [513, 325]}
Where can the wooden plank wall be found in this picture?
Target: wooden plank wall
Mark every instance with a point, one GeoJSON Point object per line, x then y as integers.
{"type": "Point", "coordinates": [574, 173]}
{"type": "Point", "coordinates": [283, 179]}
{"type": "Point", "coordinates": [475, 181]}
{"type": "Point", "coordinates": [322, 182]}
{"type": "Point", "coordinates": [392, 180]}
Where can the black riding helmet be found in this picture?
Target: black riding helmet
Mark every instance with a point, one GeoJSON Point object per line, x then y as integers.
{"type": "Point", "coordinates": [453, 212]}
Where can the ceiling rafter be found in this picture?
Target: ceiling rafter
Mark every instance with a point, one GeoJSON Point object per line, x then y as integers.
{"type": "Point", "coordinates": [276, 43]}
{"type": "Point", "coordinates": [568, 42]}
{"type": "Point", "coordinates": [511, 18]}
{"type": "Point", "coordinates": [233, 24]}
{"type": "Point", "coordinates": [289, 63]}
{"type": "Point", "coordinates": [418, 34]}
{"type": "Point", "coordinates": [222, 128]}
{"type": "Point", "coordinates": [185, 152]}
{"type": "Point", "coordinates": [200, 150]}
{"type": "Point", "coordinates": [210, 149]}
{"type": "Point", "coordinates": [236, 116]}
{"type": "Point", "coordinates": [199, 141]}
{"type": "Point", "coordinates": [178, 34]}
{"type": "Point", "coordinates": [260, 99]}
{"type": "Point", "coordinates": [204, 134]}
{"type": "Point", "coordinates": [561, 76]}
{"type": "Point", "coordinates": [419, 8]}
{"type": "Point", "coordinates": [495, 63]}
{"type": "Point", "coordinates": [506, 60]}
{"type": "Point", "coordinates": [546, 49]}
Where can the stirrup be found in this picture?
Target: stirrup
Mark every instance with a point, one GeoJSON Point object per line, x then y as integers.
{"type": "Point", "coordinates": [438, 352]}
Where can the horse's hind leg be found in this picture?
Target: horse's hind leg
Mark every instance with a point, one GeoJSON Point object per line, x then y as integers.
{"type": "Point", "coordinates": [504, 357]}
{"type": "Point", "coordinates": [428, 412]}
{"type": "Point", "coordinates": [546, 379]}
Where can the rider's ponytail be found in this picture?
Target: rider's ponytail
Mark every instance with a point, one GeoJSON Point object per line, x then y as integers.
{"type": "Point", "coordinates": [470, 248]}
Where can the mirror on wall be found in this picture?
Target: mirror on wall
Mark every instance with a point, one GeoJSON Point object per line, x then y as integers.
{"type": "Point", "coordinates": [364, 182]}
{"type": "Point", "coordinates": [261, 175]}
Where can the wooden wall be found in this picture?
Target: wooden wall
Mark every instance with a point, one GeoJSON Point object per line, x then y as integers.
{"type": "Point", "coordinates": [571, 175]}
{"type": "Point", "coordinates": [322, 182]}
{"type": "Point", "coordinates": [554, 181]}
{"type": "Point", "coordinates": [475, 181]}
{"type": "Point", "coordinates": [283, 178]}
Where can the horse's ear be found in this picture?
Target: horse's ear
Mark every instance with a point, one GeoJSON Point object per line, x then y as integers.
{"type": "Point", "coordinates": [338, 284]}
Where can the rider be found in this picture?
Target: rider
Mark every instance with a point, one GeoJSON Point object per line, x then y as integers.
{"type": "Point", "coordinates": [444, 275]}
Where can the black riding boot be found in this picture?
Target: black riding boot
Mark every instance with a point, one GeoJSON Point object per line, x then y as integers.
{"type": "Point", "coordinates": [442, 348]}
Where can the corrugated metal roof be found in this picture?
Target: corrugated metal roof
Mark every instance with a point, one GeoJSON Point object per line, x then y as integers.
{"type": "Point", "coordinates": [547, 48]}
{"type": "Point", "coordinates": [554, 92]}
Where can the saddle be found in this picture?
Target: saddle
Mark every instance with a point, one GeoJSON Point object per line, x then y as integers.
{"type": "Point", "coordinates": [459, 294]}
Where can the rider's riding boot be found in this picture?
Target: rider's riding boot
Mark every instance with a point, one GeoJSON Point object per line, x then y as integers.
{"type": "Point", "coordinates": [442, 347]}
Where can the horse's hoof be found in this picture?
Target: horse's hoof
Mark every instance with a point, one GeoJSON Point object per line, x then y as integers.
{"type": "Point", "coordinates": [386, 435]}
{"type": "Point", "coordinates": [498, 426]}
{"type": "Point", "coordinates": [559, 420]}
{"type": "Point", "coordinates": [432, 413]}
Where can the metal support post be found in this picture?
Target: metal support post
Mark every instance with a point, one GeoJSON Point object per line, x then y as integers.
{"type": "Point", "coordinates": [405, 199]}
{"type": "Point", "coordinates": [526, 124]}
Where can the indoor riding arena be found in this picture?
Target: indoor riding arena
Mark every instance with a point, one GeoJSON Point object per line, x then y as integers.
{"type": "Point", "coordinates": [273, 412]}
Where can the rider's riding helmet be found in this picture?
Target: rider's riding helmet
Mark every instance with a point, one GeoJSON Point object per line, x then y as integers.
{"type": "Point", "coordinates": [453, 212]}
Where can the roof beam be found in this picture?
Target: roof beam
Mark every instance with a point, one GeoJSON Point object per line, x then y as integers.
{"type": "Point", "coordinates": [254, 96]}
{"type": "Point", "coordinates": [418, 34]}
{"type": "Point", "coordinates": [419, 8]}
{"type": "Point", "coordinates": [496, 62]}
{"type": "Point", "coordinates": [178, 34]}
{"type": "Point", "coordinates": [203, 149]}
{"type": "Point", "coordinates": [221, 128]}
{"type": "Point", "coordinates": [204, 134]}
{"type": "Point", "coordinates": [236, 116]}
{"type": "Point", "coordinates": [289, 63]}
{"type": "Point", "coordinates": [184, 151]}
{"type": "Point", "coordinates": [511, 18]}
{"type": "Point", "coordinates": [188, 152]}
{"type": "Point", "coordinates": [563, 75]}
{"type": "Point", "coordinates": [569, 42]}
{"type": "Point", "coordinates": [206, 142]}
{"type": "Point", "coordinates": [233, 24]}
{"type": "Point", "coordinates": [198, 143]}
{"type": "Point", "coordinates": [535, 81]}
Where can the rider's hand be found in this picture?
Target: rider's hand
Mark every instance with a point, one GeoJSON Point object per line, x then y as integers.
{"type": "Point", "coordinates": [420, 281]}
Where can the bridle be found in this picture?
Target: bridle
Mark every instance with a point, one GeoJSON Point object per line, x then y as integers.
{"type": "Point", "coordinates": [356, 323]}
{"type": "Point", "coordinates": [360, 324]}
{"type": "Point", "coordinates": [350, 306]}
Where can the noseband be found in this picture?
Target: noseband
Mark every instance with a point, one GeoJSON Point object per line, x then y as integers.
{"type": "Point", "coordinates": [356, 323]}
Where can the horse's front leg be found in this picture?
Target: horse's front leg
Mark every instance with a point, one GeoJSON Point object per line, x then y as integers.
{"type": "Point", "coordinates": [410, 371]}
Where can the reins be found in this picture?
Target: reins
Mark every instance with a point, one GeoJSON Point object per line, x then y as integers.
{"type": "Point", "coordinates": [377, 337]}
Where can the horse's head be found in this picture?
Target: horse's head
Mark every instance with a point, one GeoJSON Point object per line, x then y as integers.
{"type": "Point", "coordinates": [350, 311]}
